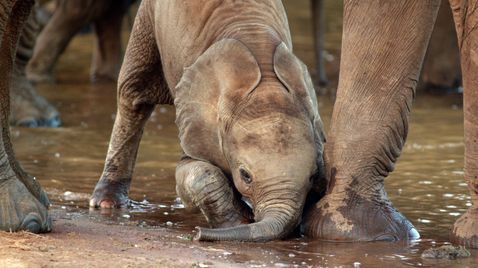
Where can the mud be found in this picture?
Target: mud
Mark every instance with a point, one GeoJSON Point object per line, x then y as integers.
{"type": "Point", "coordinates": [79, 242]}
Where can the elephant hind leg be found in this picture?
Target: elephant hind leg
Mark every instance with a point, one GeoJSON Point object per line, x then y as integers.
{"type": "Point", "coordinates": [465, 229]}
{"type": "Point", "coordinates": [204, 186]}
{"type": "Point", "coordinates": [141, 86]}
{"type": "Point", "coordinates": [23, 204]}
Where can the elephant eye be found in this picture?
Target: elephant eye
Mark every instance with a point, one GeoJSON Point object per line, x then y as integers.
{"type": "Point", "coordinates": [245, 176]}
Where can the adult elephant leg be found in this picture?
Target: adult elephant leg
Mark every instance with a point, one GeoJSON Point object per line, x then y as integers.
{"type": "Point", "coordinates": [21, 206]}
{"type": "Point", "coordinates": [13, 72]}
{"type": "Point", "coordinates": [384, 43]}
{"type": "Point", "coordinates": [318, 18]}
{"type": "Point", "coordinates": [107, 52]}
{"type": "Point", "coordinates": [28, 108]}
{"type": "Point", "coordinates": [204, 186]}
{"type": "Point", "coordinates": [68, 19]}
{"type": "Point", "coordinates": [465, 230]}
{"type": "Point", "coordinates": [141, 86]}
{"type": "Point", "coordinates": [441, 68]}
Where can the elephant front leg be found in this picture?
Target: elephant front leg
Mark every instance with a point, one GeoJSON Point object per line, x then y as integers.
{"type": "Point", "coordinates": [465, 229]}
{"type": "Point", "coordinates": [23, 203]}
{"type": "Point", "coordinates": [112, 189]}
{"type": "Point", "coordinates": [383, 48]}
{"type": "Point", "coordinates": [204, 186]}
{"type": "Point", "coordinates": [141, 86]}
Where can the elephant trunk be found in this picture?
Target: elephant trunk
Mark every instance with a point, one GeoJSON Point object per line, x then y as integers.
{"type": "Point", "coordinates": [275, 224]}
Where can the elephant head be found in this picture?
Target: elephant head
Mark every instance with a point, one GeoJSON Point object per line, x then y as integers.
{"type": "Point", "coordinates": [264, 131]}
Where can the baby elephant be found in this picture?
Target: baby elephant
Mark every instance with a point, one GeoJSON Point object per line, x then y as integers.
{"type": "Point", "coordinates": [245, 108]}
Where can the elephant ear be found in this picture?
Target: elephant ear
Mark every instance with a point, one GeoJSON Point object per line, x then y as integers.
{"type": "Point", "coordinates": [208, 92]}
{"type": "Point", "coordinates": [296, 78]}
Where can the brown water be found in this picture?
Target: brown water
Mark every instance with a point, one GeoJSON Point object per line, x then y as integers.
{"type": "Point", "coordinates": [427, 185]}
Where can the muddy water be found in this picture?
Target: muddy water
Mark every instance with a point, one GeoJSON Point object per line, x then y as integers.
{"type": "Point", "coordinates": [427, 185]}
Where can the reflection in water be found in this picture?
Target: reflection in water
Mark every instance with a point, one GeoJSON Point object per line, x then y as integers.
{"type": "Point", "coordinates": [427, 185]}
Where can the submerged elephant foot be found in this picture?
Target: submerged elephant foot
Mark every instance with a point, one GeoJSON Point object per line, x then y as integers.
{"type": "Point", "coordinates": [357, 219]}
{"type": "Point", "coordinates": [20, 210]}
{"type": "Point", "coordinates": [465, 229]}
{"type": "Point", "coordinates": [110, 194]}
{"type": "Point", "coordinates": [28, 109]}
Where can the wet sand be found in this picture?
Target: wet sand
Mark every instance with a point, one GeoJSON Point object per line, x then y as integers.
{"type": "Point", "coordinates": [80, 242]}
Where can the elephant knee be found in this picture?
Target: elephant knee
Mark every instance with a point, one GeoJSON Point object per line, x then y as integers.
{"type": "Point", "coordinates": [195, 180]}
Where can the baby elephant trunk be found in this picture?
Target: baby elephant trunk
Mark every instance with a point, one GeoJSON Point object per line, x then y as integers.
{"type": "Point", "coordinates": [275, 224]}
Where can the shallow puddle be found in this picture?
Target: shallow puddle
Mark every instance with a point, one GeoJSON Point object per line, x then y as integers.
{"type": "Point", "coordinates": [427, 185]}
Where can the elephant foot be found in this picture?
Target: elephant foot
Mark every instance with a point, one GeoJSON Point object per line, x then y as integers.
{"type": "Point", "coordinates": [20, 210]}
{"type": "Point", "coordinates": [110, 194]}
{"type": "Point", "coordinates": [354, 218]}
{"type": "Point", "coordinates": [465, 229]}
{"type": "Point", "coordinates": [28, 109]}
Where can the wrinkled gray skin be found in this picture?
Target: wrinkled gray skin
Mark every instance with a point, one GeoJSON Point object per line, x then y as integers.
{"type": "Point", "coordinates": [384, 43]}
{"type": "Point", "coordinates": [246, 112]}
{"type": "Point", "coordinates": [23, 204]}
{"type": "Point", "coordinates": [441, 69]}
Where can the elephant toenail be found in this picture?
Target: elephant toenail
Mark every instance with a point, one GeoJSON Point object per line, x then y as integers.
{"type": "Point", "coordinates": [31, 223]}
{"type": "Point", "coordinates": [107, 204]}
